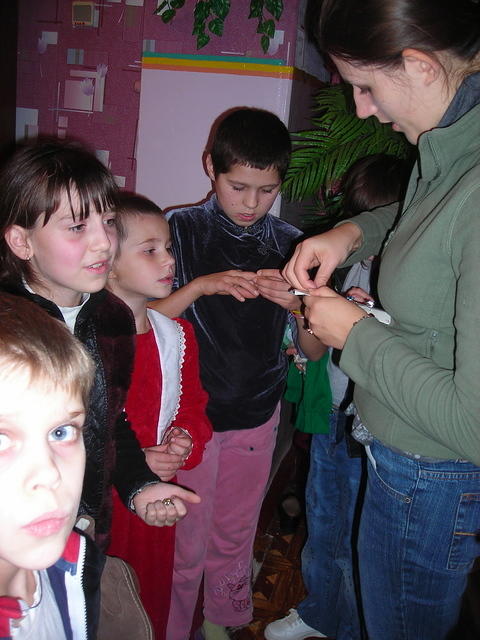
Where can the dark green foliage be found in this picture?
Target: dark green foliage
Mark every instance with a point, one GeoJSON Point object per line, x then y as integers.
{"type": "Point", "coordinates": [168, 9]}
{"type": "Point", "coordinates": [266, 26]}
{"type": "Point", "coordinates": [212, 14]}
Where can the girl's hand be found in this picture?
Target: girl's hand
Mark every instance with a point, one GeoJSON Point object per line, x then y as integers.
{"type": "Point", "coordinates": [331, 317]}
{"type": "Point", "coordinates": [239, 284]}
{"type": "Point", "coordinates": [162, 462]}
{"type": "Point", "coordinates": [162, 504]}
{"type": "Point", "coordinates": [359, 295]}
{"type": "Point", "coordinates": [273, 286]}
{"type": "Point", "coordinates": [326, 251]}
{"type": "Point", "coordinates": [180, 444]}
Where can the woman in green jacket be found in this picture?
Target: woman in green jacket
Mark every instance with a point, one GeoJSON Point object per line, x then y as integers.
{"type": "Point", "coordinates": [414, 64]}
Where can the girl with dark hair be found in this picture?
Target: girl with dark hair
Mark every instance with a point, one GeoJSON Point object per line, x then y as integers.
{"type": "Point", "coordinates": [58, 239]}
{"type": "Point", "coordinates": [414, 64]}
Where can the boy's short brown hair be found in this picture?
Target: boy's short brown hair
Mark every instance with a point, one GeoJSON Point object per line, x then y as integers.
{"type": "Point", "coordinates": [252, 137]}
{"type": "Point", "coordinates": [32, 340]}
{"type": "Point", "coordinates": [132, 204]}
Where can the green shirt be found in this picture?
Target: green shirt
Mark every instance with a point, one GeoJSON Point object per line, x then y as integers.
{"type": "Point", "coordinates": [418, 379]}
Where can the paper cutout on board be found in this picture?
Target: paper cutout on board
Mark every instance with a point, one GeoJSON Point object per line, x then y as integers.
{"type": "Point", "coordinates": [83, 13]}
{"type": "Point", "coordinates": [275, 42]}
{"type": "Point", "coordinates": [104, 156]}
{"type": "Point", "coordinates": [75, 96]}
{"type": "Point", "coordinates": [75, 56]}
{"type": "Point", "coordinates": [47, 37]}
{"type": "Point", "coordinates": [26, 122]}
{"type": "Point", "coordinates": [93, 85]}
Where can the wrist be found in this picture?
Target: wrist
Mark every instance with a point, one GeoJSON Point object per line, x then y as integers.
{"type": "Point", "coordinates": [131, 501]}
{"type": "Point", "coordinates": [365, 317]}
{"type": "Point", "coordinates": [352, 233]}
{"type": "Point", "coordinates": [195, 288]}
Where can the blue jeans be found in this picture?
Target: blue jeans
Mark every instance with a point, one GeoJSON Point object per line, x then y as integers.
{"type": "Point", "coordinates": [331, 495]}
{"type": "Point", "coordinates": [417, 543]}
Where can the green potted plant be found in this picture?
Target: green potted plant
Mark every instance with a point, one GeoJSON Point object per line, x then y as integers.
{"type": "Point", "coordinates": [322, 155]}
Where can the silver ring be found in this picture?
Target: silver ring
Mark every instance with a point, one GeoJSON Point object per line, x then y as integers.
{"type": "Point", "coordinates": [167, 502]}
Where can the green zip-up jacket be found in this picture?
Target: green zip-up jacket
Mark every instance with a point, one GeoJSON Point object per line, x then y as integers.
{"type": "Point", "coordinates": [418, 379]}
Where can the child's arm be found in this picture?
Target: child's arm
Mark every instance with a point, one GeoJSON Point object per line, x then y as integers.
{"type": "Point", "coordinates": [139, 487]}
{"type": "Point", "coordinates": [359, 295]}
{"type": "Point", "coordinates": [191, 414]}
{"type": "Point", "coordinates": [239, 284]}
{"type": "Point", "coordinates": [272, 286]}
{"type": "Point", "coordinates": [311, 346]}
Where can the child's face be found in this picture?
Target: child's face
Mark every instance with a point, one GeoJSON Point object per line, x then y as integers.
{"type": "Point", "coordinates": [42, 462]}
{"type": "Point", "coordinates": [244, 193]}
{"type": "Point", "coordinates": [144, 267]}
{"type": "Point", "coordinates": [71, 257]}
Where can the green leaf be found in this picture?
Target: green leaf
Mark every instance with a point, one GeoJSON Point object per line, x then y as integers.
{"type": "Point", "coordinates": [221, 8]}
{"type": "Point", "coordinates": [265, 43]}
{"type": "Point", "coordinates": [275, 7]}
{"type": "Point", "coordinates": [168, 15]}
{"type": "Point", "coordinates": [202, 40]}
{"type": "Point", "coordinates": [198, 28]}
{"type": "Point", "coordinates": [216, 26]}
{"type": "Point", "coordinates": [177, 4]}
{"type": "Point", "coordinates": [256, 9]}
{"type": "Point", "coordinates": [267, 27]}
{"type": "Point", "coordinates": [160, 8]}
{"type": "Point", "coordinates": [202, 10]}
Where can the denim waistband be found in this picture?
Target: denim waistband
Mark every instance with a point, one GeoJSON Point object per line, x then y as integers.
{"type": "Point", "coordinates": [363, 435]}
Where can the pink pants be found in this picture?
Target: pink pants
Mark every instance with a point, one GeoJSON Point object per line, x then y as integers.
{"type": "Point", "coordinates": [215, 539]}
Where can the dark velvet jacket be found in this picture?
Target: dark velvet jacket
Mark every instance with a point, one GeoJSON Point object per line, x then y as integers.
{"type": "Point", "coordinates": [241, 363]}
{"type": "Point", "coordinates": [106, 327]}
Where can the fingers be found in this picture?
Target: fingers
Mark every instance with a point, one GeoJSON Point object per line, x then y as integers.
{"type": "Point", "coordinates": [163, 504]}
{"type": "Point", "coordinates": [164, 514]}
{"type": "Point", "coordinates": [270, 273]}
{"type": "Point", "coordinates": [240, 292]}
{"type": "Point", "coordinates": [296, 270]}
{"type": "Point", "coordinates": [165, 465]}
{"type": "Point", "coordinates": [186, 495]}
{"type": "Point", "coordinates": [247, 275]}
{"type": "Point", "coordinates": [358, 295]}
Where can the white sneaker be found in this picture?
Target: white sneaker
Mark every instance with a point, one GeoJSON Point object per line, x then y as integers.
{"type": "Point", "coordinates": [292, 627]}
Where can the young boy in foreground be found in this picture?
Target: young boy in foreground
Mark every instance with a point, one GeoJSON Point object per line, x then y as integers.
{"type": "Point", "coordinates": [45, 381]}
{"type": "Point", "coordinates": [232, 245]}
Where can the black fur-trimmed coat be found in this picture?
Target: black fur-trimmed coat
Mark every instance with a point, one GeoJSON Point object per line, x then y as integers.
{"type": "Point", "coordinates": [106, 327]}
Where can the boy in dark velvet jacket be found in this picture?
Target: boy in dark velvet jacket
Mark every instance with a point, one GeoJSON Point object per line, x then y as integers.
{"type": "Point", "coordinates": [232, 245]}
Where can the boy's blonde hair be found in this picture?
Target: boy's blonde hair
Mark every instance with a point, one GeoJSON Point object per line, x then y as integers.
{"type": "Point", "coordinates": [32, 340]}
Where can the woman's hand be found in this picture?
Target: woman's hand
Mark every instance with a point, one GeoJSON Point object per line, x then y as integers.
{"type": "Point", "coordinates": [330, 317]}
{"type": "Point", "coordinates": [326, 252]}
